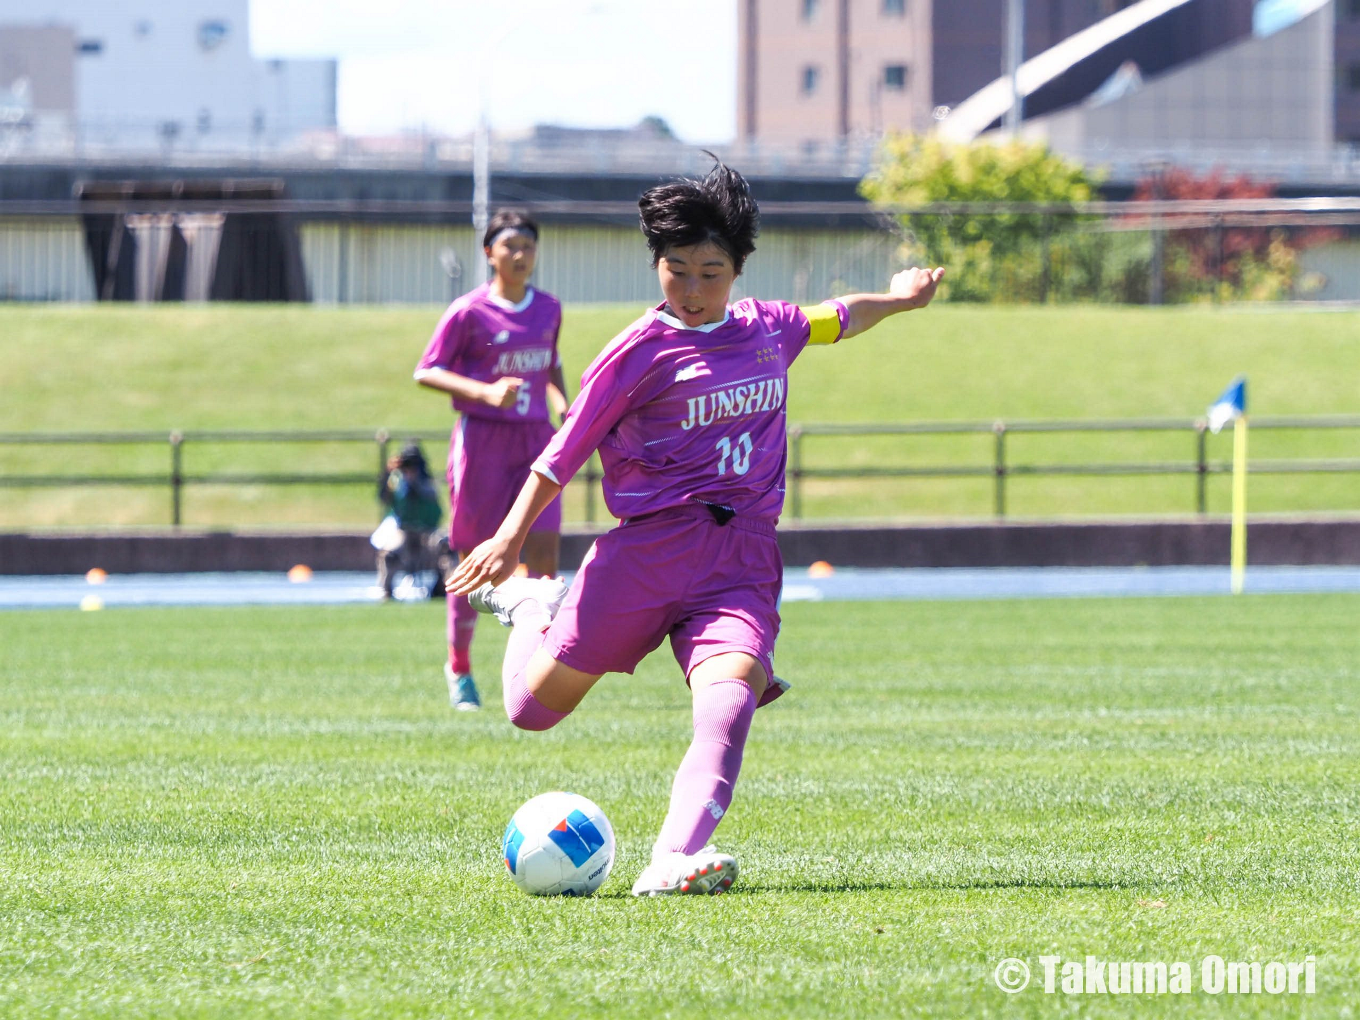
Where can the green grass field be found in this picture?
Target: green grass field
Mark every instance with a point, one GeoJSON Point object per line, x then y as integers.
{"type": "Point", "coordinates": [215, 367]}
{"type": "Point", "coordinates": [273, 813]}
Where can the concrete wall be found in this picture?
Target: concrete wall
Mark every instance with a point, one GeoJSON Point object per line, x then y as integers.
{"type": "Point", "coordinates": [1151, 543]}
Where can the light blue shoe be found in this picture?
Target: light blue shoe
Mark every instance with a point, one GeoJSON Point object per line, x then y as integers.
{"type": "Point", "coordinates": [462, 690]}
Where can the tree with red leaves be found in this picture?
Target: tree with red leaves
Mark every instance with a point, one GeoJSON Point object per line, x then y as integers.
{"type": "Point", "coordinates": [1237, 261]}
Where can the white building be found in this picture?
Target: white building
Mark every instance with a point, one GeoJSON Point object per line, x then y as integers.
{"type": "Point", "coordinates": [158, 74]}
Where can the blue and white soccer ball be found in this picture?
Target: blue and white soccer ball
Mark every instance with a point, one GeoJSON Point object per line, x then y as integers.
{"type": "Point", "coordinates": [559, 844]}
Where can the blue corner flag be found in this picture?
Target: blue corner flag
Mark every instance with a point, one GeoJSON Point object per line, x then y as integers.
{"type": "Point", "coordinates": [1230, 406]}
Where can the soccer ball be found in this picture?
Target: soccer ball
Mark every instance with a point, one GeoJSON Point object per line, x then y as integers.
{"type": "Point", "coordinates": [559, 844]}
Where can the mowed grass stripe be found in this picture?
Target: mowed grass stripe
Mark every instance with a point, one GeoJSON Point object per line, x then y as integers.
{"type": "Point", "coordinates": [273, 812]}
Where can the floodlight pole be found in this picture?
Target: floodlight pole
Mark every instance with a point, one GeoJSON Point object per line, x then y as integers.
{"type": "Point", "coordinates": [481, 153]}
{"type": "Point", "coordinates": [481, 148]}
{"type": "Point", "coordinates": [1015, 56]}
{"type": "Point", "coordinates": [481, 191]}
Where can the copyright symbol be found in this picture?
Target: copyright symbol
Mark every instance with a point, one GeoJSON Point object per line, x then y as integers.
{"type": "Point", "coordinates": [1011, 975]}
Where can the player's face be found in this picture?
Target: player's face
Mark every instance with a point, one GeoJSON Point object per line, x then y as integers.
{"type": "Point", "coordinates": [697, 281]}
{"type": "Point", "coordinates": [512, 257]}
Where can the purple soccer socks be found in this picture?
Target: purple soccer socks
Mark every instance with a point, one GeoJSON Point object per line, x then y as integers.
{"type": "Point", "coordinates": [524, 710]}
{"type": "Point", "coordinates": [702, 791]}
{"type": "Point", "coordinates": [462, 624]}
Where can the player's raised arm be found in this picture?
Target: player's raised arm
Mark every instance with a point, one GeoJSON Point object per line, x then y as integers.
{"type": "Point", "coordinates": [909, 290]}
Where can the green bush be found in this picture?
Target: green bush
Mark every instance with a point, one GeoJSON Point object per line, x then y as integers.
{"type": "Point", "coordinates": [1008, 256]}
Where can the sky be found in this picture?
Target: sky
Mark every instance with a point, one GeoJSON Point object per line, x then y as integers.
{"type": "Point", "coordinates": [1269, 16]}
{"type": "Point", "coordinates": [586, 63]}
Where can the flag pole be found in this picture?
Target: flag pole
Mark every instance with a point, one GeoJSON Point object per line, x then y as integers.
{"type": "Point", "coordinates": [1239, 510]}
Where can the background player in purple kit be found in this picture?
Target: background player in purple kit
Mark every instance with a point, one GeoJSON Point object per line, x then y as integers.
{"type": "Point", "coordinates": [687, 409]}
{"type": "Point", "coordinates": [495, 353]}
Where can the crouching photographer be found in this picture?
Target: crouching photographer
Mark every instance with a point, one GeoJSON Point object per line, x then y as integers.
{"type": "Point", "coordinates": [406, 539]}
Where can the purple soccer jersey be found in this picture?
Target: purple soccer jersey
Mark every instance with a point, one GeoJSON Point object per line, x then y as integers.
{"type": "Point", "coordinates": [684, 415]}
{"type": "Point", "coordinates": [484, 338]}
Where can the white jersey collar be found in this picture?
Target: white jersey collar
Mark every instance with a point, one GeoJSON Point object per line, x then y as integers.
{"type": "Point", "coordinates": [500, 302]}
{"type": "Point", "coordinates": [707, 327]}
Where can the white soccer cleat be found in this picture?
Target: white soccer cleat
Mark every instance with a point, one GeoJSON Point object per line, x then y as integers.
{"type": "Point", "coordinates": [505, 598]}
{"type": "Point", "coordinates": [706, 873]}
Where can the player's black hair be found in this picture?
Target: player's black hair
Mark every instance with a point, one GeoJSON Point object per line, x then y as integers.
{"type": "Point", "coordinates": [509, 219]}
{"type": "Point", "coordinates": [718, 208]}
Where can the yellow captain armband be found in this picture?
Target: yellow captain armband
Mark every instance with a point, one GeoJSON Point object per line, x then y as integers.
{"type": "Point", "coordinates": [824, 322]}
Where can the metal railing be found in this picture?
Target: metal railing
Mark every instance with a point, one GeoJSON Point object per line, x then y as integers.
{"type": "Point", "coordinates": [1000, 467]}
{"type": "Point", "coordinates": [176, 478]}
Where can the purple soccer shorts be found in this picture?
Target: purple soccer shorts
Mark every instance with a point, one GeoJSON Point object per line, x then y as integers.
{"type": "Point", "coordinates": [711, 588]}
{"type": "Point", "coordinates": [488, 465]}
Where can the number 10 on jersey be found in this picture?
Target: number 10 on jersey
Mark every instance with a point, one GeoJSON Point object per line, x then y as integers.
{"type": "Point", "coordinates": [739, 452]}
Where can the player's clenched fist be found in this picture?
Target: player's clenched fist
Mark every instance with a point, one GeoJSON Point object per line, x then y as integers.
{"type": "Point", "coordinates": [502, 392]}
{"type": "Point", "coordinates": [916, 285]}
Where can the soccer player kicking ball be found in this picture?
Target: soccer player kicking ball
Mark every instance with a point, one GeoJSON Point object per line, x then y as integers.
{"type": "Point", "coordinates": [687, 409]}
{"type": "Point", "coordinates": [495, 353]}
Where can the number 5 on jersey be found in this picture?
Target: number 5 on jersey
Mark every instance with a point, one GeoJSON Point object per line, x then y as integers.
{"type": "Point", "coordinates": [740, 452]}
{"type": "Point", "coordinates": [522, 399]}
